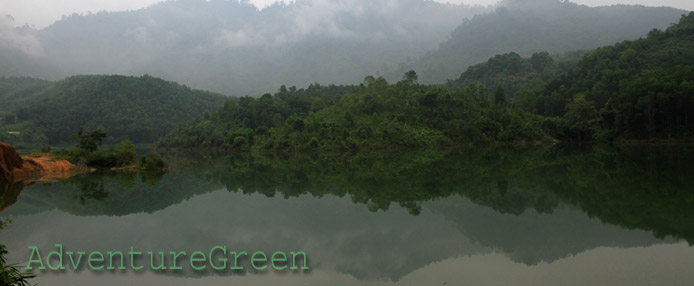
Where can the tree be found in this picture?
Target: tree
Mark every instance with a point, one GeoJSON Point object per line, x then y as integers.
{"type": "Point", "coordinates": [10, 274]}
{"type": "Point", "coordinates": [525, 100]}
{"type": "Point", "coordinates": [499, 95]}
{"type": "Point", "coordinates": [91, 141]}
{"type": "Point", "coordinates": [410, 77]}
{"type": "Point", "coordinates": [541, 60]}
{"type": "Point", "coordinates": [152, 162]}
{"type": "Point", "coordinates": [125, 153]}
{"type": "Point", "coordinates": [582, 117]}
{"type": "Point", "coordinates": [368, 80]}
{"type": "Point", "coordinates": [9, 119]}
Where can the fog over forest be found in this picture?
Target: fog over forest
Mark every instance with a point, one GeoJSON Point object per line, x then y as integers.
{"type": "Point", "coordinates": [236, 49]}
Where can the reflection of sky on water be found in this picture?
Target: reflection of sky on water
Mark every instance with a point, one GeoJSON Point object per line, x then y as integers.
{"type": "Point", "coordinates": [451, 241]}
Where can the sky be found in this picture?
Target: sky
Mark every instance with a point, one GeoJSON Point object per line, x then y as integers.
{"type": "Point", "coordinates": [41, 13]}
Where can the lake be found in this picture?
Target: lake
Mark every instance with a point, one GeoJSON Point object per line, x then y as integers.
{"type": "Point", "coordinates": [558, 215]}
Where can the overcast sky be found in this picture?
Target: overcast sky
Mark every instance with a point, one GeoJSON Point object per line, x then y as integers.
{"type": "Point", "coordinates": [41, 13]}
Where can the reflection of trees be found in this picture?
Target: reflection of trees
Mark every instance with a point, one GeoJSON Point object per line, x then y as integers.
{"type": "Point", "coordinates": [636, 187]}
{"type": "Point", "coordinates": [112, 193]}
{"type": "Point", "coordinates": [92, 192]}
{"type": "Point", "coordinates": [152, 178]}
{"type": "Point", "coordinates": [9, 191]}
{"type": "Point", "coordinates": [92, 185]}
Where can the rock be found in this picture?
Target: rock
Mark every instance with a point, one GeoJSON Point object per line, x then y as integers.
{"type": "Point", "coordinates": [38, 167]}
{"type": "Point", "coordinates": [9, 161]}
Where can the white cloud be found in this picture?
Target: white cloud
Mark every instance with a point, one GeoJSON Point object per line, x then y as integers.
{"type": "Point", "coordinates": [11, 37]}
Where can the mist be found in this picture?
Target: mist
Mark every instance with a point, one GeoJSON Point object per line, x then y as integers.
{"type": "Point", "coordinates": [238, 49]}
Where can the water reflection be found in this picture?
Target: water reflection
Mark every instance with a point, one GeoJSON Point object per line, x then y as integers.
{"type": "Point", "coordinates": [385, 217]}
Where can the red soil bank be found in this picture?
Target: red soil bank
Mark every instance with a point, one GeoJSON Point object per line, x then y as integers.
{"type": "Point", "coordinates": [37, 167]}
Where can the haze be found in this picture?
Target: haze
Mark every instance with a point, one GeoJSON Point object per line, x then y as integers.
{"type": "Point", "coordinates": [237, 49]}
{"type": "Point", "coordinates": [25, 12]}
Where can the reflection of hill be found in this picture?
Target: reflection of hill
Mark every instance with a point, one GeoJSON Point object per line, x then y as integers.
{"type": "Point", "coordinates": [118, 193]}
{"type": "Point", "coordinates": [339, 235]}
{"type": "Point", "coordinates": [632, 187]}
{"type": "Point", "coordinates": [533, 205]}
{"type": "Point", "coordinates": [635, 187]}
{"type": "Point", "coordinates": [532, 237]}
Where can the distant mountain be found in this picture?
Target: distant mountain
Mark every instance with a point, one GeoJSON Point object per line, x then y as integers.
{"type": "Point", "coordinates": [141, 109]}
{"type": "Point", "coordinates": [632, 90]}
{"type": "Point", "coordinates": [530, 26]}
{"type": "Point", "coordinates": [231, 47]}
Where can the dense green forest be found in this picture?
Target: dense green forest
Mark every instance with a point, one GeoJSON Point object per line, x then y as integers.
{"type": "Point", "coordinates": [633, 90]}
{"type": "Point", "coordinates": [517, 74]}
{"type": "Point", "coordinates": [141, 109]}
{"type": "Point", "coordinates": [374, 114]}
{"type": "Point", "coordinates": [529, 26]}
{"type": "Point", "coordinates": [638, 89]}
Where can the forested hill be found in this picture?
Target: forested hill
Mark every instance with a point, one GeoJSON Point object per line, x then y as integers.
{"type": "Point", "coordinates": [530, 26]}
{"type": "Point", "coordinates": [141, 109]}
{"type": "Point", "coordinates": [234, 48]}
{"type": "Point", "coordinates": [374, 114]}
{"type": "Point", "coordinates": [15, 92]}
{"type": "Point", "coordinates": [639, 89]}
{"type": "Point", "coordinates": [515, 73]}
{"type": "Point", "coordinates": [634, 89]}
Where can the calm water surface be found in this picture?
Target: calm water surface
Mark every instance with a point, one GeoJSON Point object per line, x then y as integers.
{"type": "Point", "coordinates": [502, 216]}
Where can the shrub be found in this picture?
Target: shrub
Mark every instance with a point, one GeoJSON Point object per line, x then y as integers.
{"type": "Point", "coordinates": [101, 159]}
{"type": "Point", "coordinates": [152, 162]}
{"type": "Point", "coordinates": [125, 153]}
{"type": "Point", "coordinates": [10, 274]}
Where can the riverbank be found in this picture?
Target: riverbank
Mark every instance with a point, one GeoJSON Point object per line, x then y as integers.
{"type": "Point", "coordinates": [36, 167]}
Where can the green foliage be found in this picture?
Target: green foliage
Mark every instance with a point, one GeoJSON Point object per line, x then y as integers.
{"type": "Point", "coordinates": [514, 74]}
{"type": "Point", "coordinates": [152, 162]}
{"type": "Point", "coordinates": [637, 187]}
{"type": "Point", "coordinates": [141, 109]}
{"type": "Point", "coordinates": [125, 153]}
{"type": "Point", "coordinates": [499, 95]}
{"type": "Point", "coordinates": [16, 92]}
{"type": "Point", "coordinates": [100, 159]}
{"type": "Point", "coordinates": [645, 187]}
{"type": "Point", "coordinates": [92, 140]}
{"type": "Point", "coordinates": [538, 25]}
{"type": "Point", "coordinates": [632, 90]}
{"type": "Point", "coordinates": [114, 193]}
{"type": "Point", "coordinates": [11, 274]}
{"type": "Point", "coordinates": [88, 154]}
{"type": "Point", "coordinates": [410, 77]}
{"type": "Point", "coordinates": [366, 116]}
{"type": "Point", "coordinates": [23, 135]}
